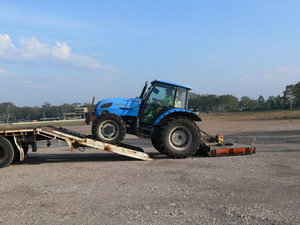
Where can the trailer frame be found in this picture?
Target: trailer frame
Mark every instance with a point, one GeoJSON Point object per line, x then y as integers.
{"type": "Point", "coordinates": [19, 140]}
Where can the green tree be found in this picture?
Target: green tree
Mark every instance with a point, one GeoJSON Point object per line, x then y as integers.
{"type": "Point", "coordinates": [210, 103]}
{"type": "Point", "coordinates": [193, 101]}
{"type": "Point", "coordinates": [253, 105]}
{"type": "Point", "coordinates": [244, 103]}
{"type": "Point", "coordinates": [296, 92]}
{"type": "Point", "coordinates": [46, 107]}
{"type": "Point", "coordinates": [291, 95]}
{"type": "Point", "coordinates": [279, 102]}
{"type": "Point", "coordinates": [7, 111]}
{"type": "Point", "coordinates": [288, 95]}
{"type": "Point", "coordinates": [261, 103]}
{"type": "Point", "coordinates": [203, 103]}
{"type": "Point", "coordinates": [228, 103]}
{"type": "Point", "coordinates": [271, 103]}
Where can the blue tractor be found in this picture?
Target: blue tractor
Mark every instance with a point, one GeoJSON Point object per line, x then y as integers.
{"type": "Point", "coordinates": [160, 113]}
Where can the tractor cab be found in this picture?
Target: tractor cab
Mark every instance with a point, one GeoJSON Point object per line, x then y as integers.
{"type": "Point", "coordinates": [160, 98]}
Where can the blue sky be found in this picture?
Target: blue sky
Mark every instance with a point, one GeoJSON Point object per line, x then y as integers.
{"type": "Point", "coordinates": [69, 51]}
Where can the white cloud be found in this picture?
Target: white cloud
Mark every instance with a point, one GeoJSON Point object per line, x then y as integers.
{"type": "Point", "coordinates": [247, 77]}
{"type": "Point", "coordinates": [284, 69]}
{"type": "Point", "coordinates": [31, 48]}
{"type": "Point", "coordinates": [34, 51]}
{"type": "Point", "coordinates": [7, 48]}
{"type": "Point", "coordinates": [269, 76]}
{"type": "Point", "coordinates": [5, 43]}
{"type": "Point", "coordinates": [61, 51]}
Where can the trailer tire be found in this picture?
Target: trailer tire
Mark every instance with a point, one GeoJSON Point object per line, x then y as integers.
{"type": "Point", "coordinates": [6, 152]}
{"type": "Point", "coordinates": [109, 128]}
{"type": "Point", "coordinates": [179, 137]}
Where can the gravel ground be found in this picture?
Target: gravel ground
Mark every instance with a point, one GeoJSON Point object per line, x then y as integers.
{"type": "Point", "coordinates": [56, 186]}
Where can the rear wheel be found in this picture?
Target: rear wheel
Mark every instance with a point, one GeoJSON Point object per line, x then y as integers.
{"type": "Point", "coordinates": [109, 128]}
{"type": "Point", "coordinates": [6, 152]}
{"type": "Point", "coordinates": [155, 139]}
{"type": "Point", "coordinates": [178, 138]}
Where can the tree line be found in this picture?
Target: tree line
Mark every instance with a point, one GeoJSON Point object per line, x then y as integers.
{"type": "Point", "coordinates": [9, 112]}
{"type": "Point", "coordinates": [290, 99]}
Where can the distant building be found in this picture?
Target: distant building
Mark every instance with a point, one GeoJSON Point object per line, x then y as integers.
{"type": "Point", "coordinates": [78, 114]}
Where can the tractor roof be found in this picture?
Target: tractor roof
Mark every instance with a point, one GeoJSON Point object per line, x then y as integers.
{"type": "Point", "coordinates": [171, 83]}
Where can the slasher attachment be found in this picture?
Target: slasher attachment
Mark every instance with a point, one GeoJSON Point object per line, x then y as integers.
{"type": "Point", "coordinates": [216, 146]}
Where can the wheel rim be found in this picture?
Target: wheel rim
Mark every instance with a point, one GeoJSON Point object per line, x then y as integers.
{"type": "Point", "coordinates": [109, 130]}
{"type": "Point", "coordinates": [180, 138]}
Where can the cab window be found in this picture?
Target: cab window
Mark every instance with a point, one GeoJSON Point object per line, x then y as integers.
{"type": "Point", "coordinates": [181, 98]}
{"type": "Point", "coordinates": [161, 99]}
{"type": "Point", "coordinates": [162, 95]}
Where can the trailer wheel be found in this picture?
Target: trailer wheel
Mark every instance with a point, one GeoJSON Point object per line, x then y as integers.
{"type": "Point", "coordinates": [6, 152]}
{"type": "Point", "coordinates": [179, 137]}
{"type": "Point", "coordinates": [109, 128]}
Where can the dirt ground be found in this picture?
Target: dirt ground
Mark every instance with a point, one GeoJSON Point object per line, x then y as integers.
{"type": "Point", "coordinates": [56, 186]}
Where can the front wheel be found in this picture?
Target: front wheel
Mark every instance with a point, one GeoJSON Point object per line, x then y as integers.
{"type": "Point", "coordinates": [109, 128]}
{"type": "Point", "coordinates": [179, 138]}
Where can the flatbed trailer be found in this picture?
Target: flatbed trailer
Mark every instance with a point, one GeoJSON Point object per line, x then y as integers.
{"type": "Point", "coordinates": [14, 143]}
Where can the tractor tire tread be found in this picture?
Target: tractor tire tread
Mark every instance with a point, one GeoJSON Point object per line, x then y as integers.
{"type": "Point", "coordinates": [165, 148]}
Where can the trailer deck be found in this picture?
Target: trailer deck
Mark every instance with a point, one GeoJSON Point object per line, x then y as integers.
{"type": "Point", "coordinates": [19, 137]}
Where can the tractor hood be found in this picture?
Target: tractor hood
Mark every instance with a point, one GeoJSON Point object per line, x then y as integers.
{"type": "Point", "coordinates": [119, 106]}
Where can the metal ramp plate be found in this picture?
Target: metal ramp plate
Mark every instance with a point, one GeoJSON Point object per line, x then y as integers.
{"type": "Point", "coordinates": [76, 140]}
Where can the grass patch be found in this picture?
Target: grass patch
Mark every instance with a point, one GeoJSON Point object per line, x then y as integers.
{"type": "Point", "coordinates": [262, 115]}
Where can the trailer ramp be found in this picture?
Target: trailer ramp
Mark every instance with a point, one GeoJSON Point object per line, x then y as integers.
{"type": "Point", "coordinates": [76, 140]}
